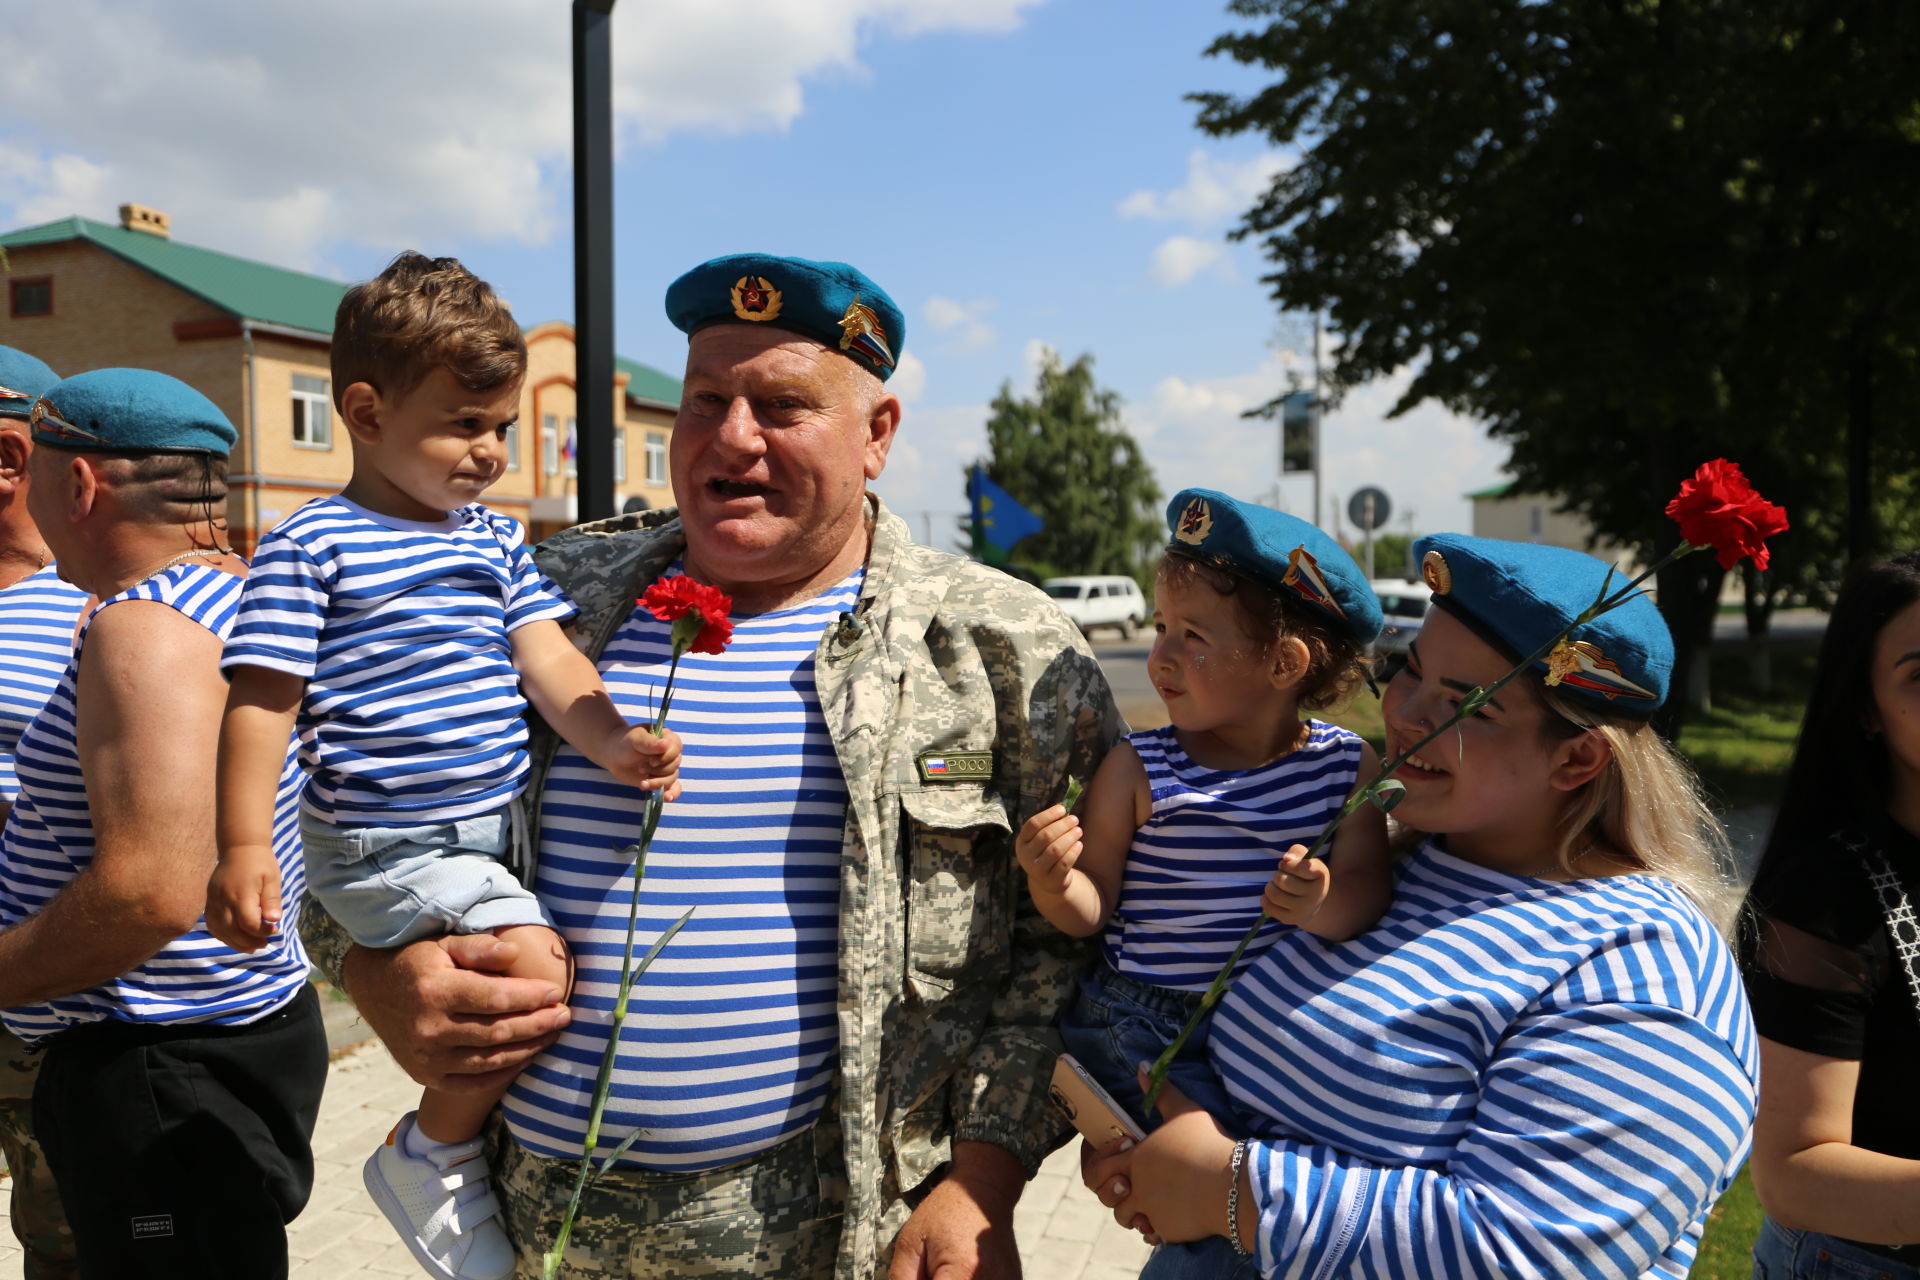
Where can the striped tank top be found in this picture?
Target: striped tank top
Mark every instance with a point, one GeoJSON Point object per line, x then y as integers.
{"type": "Point", "coordinates": [730, 1040]}
{"type": "Point", "coordinates": [1211, 843]}
{"type": "Point", "coordinates": [49, 840]}
{"type": "Point", "coordinates": [37, 615]}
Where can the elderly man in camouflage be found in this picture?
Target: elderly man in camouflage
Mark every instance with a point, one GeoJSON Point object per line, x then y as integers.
{"type": "Point", "coordinates": [839, 1068]}
{"type": "Point", "coordinates": [37, 616]}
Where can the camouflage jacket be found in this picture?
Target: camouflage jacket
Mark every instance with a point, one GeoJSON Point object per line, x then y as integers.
{"type": "Point", "coordinates": [959, 701]}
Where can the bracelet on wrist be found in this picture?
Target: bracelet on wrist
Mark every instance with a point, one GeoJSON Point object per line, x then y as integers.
{"type": "Point", "coordinates": [1233, 1199]}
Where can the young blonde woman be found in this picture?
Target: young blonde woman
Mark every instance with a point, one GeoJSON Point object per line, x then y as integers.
{"type": "Point", "coordinates": [1835, 972]}
{"type": "Point", "coordinates": [1540, 1062]}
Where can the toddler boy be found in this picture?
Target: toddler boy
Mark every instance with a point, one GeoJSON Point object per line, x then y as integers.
{"type": "Point", "coordinates": [395, 626]}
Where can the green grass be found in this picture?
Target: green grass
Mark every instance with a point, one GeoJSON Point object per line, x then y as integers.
{"type": "Point", "coordinates": [1726, 1250]}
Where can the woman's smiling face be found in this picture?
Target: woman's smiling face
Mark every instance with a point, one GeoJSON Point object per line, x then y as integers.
{"type": "Point", "coordinates": [1495, 784]}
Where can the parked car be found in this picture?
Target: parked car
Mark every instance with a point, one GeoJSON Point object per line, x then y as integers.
{"type": "Point", "coordinates": [1405, 605]}
{"type": "Point", "coordinates": [1101, 601]}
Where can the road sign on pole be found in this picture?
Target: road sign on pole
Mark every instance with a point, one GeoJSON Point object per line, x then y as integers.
{"type": "Point", "coordinates": [1368, 508]}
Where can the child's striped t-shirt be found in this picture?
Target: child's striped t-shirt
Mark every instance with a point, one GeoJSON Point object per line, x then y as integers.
{"type": "Point", "coordinates": [413, 711]}
{"type": "Point", "coordinates": [1214, 838]}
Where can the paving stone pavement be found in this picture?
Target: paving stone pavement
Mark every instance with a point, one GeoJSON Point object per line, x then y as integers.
{"type": "Point", "coordinates": [1063, 1232]}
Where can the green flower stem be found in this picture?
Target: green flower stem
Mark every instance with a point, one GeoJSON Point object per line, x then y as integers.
{"type": "Point", "coordinates": [629, 976]}
{"type": "Point", "coordinates": [1470, 704]}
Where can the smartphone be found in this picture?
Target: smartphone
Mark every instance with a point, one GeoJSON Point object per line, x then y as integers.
{"type": "Point", "coordinates": [1091, 1108]}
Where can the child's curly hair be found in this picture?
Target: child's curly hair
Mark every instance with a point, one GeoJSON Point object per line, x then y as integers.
{"type": "Point", "coordinates": [1334, 661]}
{"type": "Point", "coordinates": [422, 314]}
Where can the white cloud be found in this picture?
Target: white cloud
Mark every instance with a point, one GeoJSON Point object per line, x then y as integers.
{"type": "Point", "coordinates": [1180, 258]}
{"type": "Point", "coordinates": [1032, 356]}
{"type": "Point", "coordinates": [271, 130]}
{"type": "Point", "coordinates": [1215, 190]}
{"type": "Point", "coordinates": [909, 380]}
{"type": "Point", "coordinates": [961, 322]}
{"type": "Point", "coordinates": [1192, 432]}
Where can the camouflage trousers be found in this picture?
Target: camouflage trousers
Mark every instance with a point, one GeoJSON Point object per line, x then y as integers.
{"type": "Point", "coordinates": [763, 1217]}
{"type": "Point", "coordinates": [38, 1219]}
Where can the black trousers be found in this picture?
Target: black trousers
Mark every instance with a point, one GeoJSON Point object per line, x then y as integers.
{"type": "Point", "coordinates": [183, 1151]}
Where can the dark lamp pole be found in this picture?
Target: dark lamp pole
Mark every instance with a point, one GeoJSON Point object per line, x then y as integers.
{"type": "Point", "coordinates": [593, 254]}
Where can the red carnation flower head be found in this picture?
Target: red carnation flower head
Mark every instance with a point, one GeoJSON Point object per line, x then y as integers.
{"type": "Point", "coordinates": [698, 612]}
{"type": "Point", "coordinates": [1718, 508]}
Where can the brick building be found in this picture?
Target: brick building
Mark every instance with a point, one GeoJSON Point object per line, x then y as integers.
{"type": "Point", "coordinates": [86, 295]}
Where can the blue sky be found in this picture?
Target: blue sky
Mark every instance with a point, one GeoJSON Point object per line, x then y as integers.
{"type": "Point", "coordinates": [1017, 174]}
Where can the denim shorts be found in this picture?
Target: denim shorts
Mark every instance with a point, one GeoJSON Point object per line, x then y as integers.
{"type": "Point", "coordinates": [1210, 1259]}
{"type": "Point", "coordinates": [1781, 1253]}
{"type": "Point", "coordinates": [1116, 1022]}
{"type": "Point", "coordinates": [388, 886]}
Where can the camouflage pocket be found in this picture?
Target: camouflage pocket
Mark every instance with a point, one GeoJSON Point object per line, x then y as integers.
{"type": "Point", "coordinates": [958, 914]}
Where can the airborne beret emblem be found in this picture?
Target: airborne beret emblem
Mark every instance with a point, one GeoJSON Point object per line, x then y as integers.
{"type": "Point", "coordinates": [755, 298]}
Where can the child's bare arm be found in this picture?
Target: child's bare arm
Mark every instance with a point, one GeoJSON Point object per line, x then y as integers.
{"type": "Point", "coordinates": [1355, 883]}
{"type": "Point", "coordinates": [1074, 861]}
{"type": "Point", "coordinates": [243, 894]}
{"type": "Point", "coordinates": [564, 688]}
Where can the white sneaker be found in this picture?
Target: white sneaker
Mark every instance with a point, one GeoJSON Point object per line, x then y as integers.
{"type": "Point", "coordinates": [444, 1209]}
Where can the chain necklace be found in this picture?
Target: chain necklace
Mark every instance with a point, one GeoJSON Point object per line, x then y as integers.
{"type": "Point", "coordinates": [184, 555]}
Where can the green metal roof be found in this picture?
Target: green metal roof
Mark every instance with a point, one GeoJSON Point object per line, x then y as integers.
{"type": "Point", "coordinates": [644, 382]}
{"type": "Point", "coordinates": [250, 290]}
{"type": "Point", "coordinates": [256, 291]}
{"type": "Point", "coordinates": [1500, 490]}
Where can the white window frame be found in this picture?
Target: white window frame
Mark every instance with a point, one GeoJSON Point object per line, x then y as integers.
{"type": "Point", "coordinates": [550, 444]}
{"type": "Point", "coordinates": [656, 457]}
{"type": "Point", "coordinates": [318, 410]}
{"type": "Point", "coordinates": [619, 455]}
{"type": "Point", "coordinates": [573, 434]}
{"type": "Point", "coordinates": [512, 445]}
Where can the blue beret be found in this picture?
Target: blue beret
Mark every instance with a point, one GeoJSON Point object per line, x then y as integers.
{"type": "Point", "coordinates": [1281, 552]}
{"type": "Point", "coordinates": [130, 411]}
{"type": "Point", "coordinates": [830, 302]}
{"type": "Point", "coordinates": [23, 379]}
{"type": "Point", "coordinates": [1516, 595]}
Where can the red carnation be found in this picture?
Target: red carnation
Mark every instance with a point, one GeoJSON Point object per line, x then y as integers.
{"type": "Point", "coordinates": [680, 597]}
{"type": "Point", "coordinates": [1717, 508]}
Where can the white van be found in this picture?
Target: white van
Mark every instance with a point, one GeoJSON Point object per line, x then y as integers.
{"type": "Point", "coordinates": [1101, 601]}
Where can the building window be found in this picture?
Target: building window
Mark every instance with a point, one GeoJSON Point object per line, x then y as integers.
{"type": "Point", "coordinates": [572, 450]}
{"type": "Point", "coordinates": [513, 446]}
{"type": "Point", "coordinates": [32, 296]}
{"type": "Point", "coordinates": [549, 445]}
{"type": "Point", "coordinates": [656, 458]}
{"type": "Point", "coordinates": [312, 413]}
{"type": "Point", "coordinates": [619, 455]}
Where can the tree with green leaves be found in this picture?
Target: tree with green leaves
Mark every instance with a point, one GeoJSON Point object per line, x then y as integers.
{"type": "Point", "coordinates": [1064, 454]}
{"type": "Point", "coordinates": [1627, 235]}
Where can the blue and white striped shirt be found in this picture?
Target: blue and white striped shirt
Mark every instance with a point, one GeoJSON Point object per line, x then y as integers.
{"type": "Point", "coordinates": [729, 1044]}
{"type": "Point", "coordinates": [37, 615]}
{"type": "Point", "coordinates": [413, 708]}
{"type": "Point", "coordinates": [49, 840]}
{"type": "Point", "coordinates": [1505, 1077]}
{"type": "Point", "coordinates": [1211, 843]}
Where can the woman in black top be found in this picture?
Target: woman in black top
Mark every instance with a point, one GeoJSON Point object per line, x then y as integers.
{"type": "Point", "coordinates": [1836, 994]}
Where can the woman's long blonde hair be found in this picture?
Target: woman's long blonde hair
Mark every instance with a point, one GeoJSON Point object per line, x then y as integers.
{"type": "Point", "coordinates": [1647, 807]}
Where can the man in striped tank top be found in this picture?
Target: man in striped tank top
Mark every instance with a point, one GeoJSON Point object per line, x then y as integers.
{"type": "Point", "coordinates": [840, 1067]}
{"type": "Point", "coordinates": [181, 1078]}
{"type": "Point", "coordinates": [37, 616]}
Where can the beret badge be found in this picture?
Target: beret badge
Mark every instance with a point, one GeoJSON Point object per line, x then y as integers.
{"type": "Point", "coordinates": [1196, 521]}
{"type": "Point", "coordinates": [1304, 576]}
{"type": "Point", "coordinates": [1433, 567]}
{"type": "Point", "coordinates": [755, 298]}
{"type": "Point", "coordinates": [8, 393]}
{"type": "Point", "coordinates": [860, 329]}
{"type": "Point", "coordinates": [1584, 666]}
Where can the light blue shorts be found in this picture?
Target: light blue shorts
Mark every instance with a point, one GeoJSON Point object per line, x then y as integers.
{"type": "Point", "coordinates": [388, 886]}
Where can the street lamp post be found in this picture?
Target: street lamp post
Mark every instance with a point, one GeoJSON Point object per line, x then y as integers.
{"type": "Point", "coordinates": [593, 254]}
